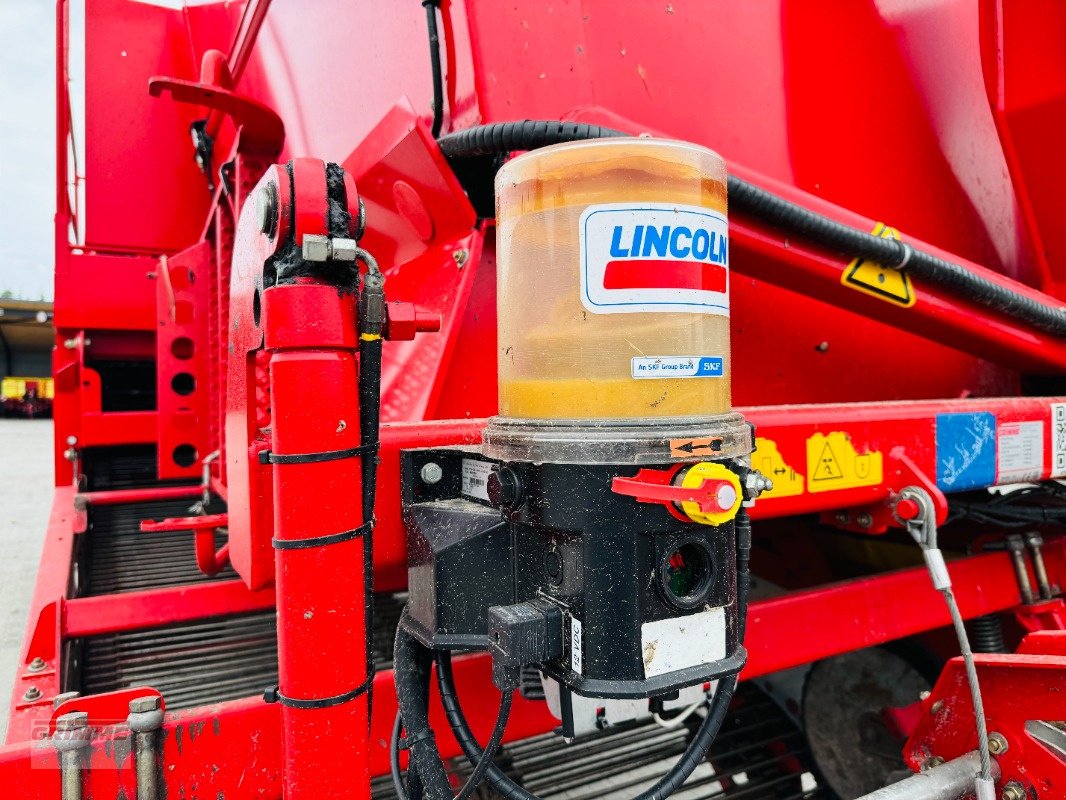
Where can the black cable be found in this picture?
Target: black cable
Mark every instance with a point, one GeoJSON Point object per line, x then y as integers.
{"type": "Point", "coordinates": [506, 137]}
{"type": "Point", "coordinates": [502, 783]}
{"type": "Point", "coordinates": [412, 661]}
{"type": "Point", "coordinates": [695, 752]}
{"type": "Point", "coordinates": [434, 62]}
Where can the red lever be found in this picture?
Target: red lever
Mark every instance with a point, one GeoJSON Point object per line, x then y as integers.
{"type": "Point", "coordinates": [653, 486]}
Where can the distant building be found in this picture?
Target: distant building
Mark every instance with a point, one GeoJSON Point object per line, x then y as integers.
{"type": "Point", "coordinates": [27, 336]}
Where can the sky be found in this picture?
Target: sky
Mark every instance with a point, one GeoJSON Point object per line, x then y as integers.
{"type": "Point", "coordinates": [27, 150]}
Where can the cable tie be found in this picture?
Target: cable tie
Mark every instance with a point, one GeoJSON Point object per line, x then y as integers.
{"type": "Point", "coordinates": [322, 541]}
{"type": "Point", "coordinates": [409, 741]}
{"type": "Point", "coordinates": [908, 251]}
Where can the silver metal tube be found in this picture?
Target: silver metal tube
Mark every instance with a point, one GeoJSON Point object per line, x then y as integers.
{"type": "Point", "coordinates": [949, 781]}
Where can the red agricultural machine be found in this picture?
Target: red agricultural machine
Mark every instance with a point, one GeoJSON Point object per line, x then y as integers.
{"type": "Point", "coordinates": [609, 399]}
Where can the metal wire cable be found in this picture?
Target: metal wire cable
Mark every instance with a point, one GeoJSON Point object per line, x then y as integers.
{"type": "Point", "coordinates": [923, 529]}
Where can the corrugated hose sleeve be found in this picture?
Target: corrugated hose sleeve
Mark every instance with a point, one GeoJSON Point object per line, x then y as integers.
{"type": "Point", "coordinates": [751, 200]}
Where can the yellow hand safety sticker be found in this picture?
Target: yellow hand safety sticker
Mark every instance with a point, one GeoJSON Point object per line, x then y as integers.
{"type": "Point", "coordinates": [833, 463]}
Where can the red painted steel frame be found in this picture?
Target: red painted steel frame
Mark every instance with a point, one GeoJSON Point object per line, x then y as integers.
{"type": "Point", "coordinates": [963, 167]}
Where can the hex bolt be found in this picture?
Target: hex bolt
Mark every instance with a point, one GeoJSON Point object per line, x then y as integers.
{"type": "Point", "coordinates": [842, 518]}
{"type": "Point", "coordinates": [145, 720]}
{"type": "Point", "coordinates": [33, 693]}
{"type": "Point", "coordinates": [864, 520]}
{"type": "Point", "coordinates": [936, 707]}
{"type": "Point", "coordinates": [36, 665]}
{"type": "Point", "coordinates": [61, 698]}
{"type": "Point", "coordinates": [932, 761]}
{"type": "Point", "coordinates": [431, 472]}
{"type": "Point", "coordinates": [1013, 791]}
{"type": "Point", "coordinates": [70, 739]}
{"type": "Point", "coordinates": [997, 744]}
{"type": "Point", "coordinates": [460, 256]}
{"type": "Point", "coordinates": [266, 209]}
{"type": "Point", "coordinates": [1016, 547]}
{"type": "Point", "coordinates": [1036, 542]}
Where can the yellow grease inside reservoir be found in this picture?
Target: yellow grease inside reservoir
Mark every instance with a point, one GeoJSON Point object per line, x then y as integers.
{"type": "Point", "coordinates": [556, 359]}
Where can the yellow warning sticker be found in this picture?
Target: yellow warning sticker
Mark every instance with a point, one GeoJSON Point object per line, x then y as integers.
{"type": "Point", "coordinates": [833, 463]}
{"type": "Point", "coordinates": [768, 460]}
{"type": "Point", "coordinates": [885, 283]}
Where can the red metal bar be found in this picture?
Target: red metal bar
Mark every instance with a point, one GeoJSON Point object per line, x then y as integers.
{"type": "Point", "coordinates": [90, 616]}
{"type": "Point", "coordinates": [115, 497]}
{"type": "Point", "coordinates": [873, 429]}
{"type": "Point", "coordinates": [209, 561]}
{"type": "Point", "coordinates": [321, 604]}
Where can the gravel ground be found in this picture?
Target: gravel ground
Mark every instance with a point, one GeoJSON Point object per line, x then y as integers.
{"type": "Point", "coordinates": [25, 499]}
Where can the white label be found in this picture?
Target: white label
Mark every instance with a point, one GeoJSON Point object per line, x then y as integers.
{"type": "Point", "coordinates": [678, 367]}
{"type": "Point", "coordinates": [476, 478]}
{"type": "Point", "coordinates": [654, 257]}
{"type": "Point", "coordinates": [682, 642]}
{"type": "Point", "coordinates": [576, 652]}
{"type": "Point", "coordinates": [1021, 451]}
{"type": "Point", "coordinates": [1058, 440]}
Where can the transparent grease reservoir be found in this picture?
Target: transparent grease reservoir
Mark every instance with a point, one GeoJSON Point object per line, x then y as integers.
{"type": "Point", "coordinates": [613, 301]}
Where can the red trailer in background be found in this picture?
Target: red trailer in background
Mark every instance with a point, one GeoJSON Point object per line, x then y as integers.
{"type": "Point", "coordinates": [197, 388]}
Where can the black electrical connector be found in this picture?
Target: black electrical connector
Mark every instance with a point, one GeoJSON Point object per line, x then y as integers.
{"type": "Point", "coordinates": [520, 634]}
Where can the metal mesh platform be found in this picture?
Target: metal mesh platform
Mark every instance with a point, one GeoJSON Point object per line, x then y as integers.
{"type": "Point", "coordinates": [206, 661]}
{"type": "Point", "coordinates": [759, 755]}
{"type": "Point", "coordinates": [119, 558]}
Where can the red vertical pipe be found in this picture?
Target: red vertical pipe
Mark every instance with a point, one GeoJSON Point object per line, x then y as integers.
{"type": "Point", "coordinates": [310, 331]}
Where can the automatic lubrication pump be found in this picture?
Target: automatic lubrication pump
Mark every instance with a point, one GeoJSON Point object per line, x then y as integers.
{"type": "Point", "coordinates": [594, 537]}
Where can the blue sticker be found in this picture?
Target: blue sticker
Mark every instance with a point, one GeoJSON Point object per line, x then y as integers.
{"type": "Point", "coordinates": [965, 451]}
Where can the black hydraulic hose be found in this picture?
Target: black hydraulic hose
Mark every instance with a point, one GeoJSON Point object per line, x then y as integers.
{"type": "Point", "coordinates": [434, 62]}
{"type": "Point", "coordinates": [412, 664]}
{"type": "Point", "coordinates": [416, 661]}
{"type": "Point", "coordinates": [369, 432]}
{"type": "Point", "coordinates": [747, 198]}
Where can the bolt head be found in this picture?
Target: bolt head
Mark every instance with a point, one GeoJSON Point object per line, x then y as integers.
{"type": "Point", "coordinates": [1013, 791]}
{"type": "Point", "coordinates": [997, 744]}
{"type": "Point", "coordinates": [36, 665]}
{"type": "Point", "coordinates": [148, 703]}
{"type": "Point", "coordinates": [937, 707]}
{"type": "Point", "coordinates": [842, 518]}
{"type": "Point", "coordinates": [266, 209]}
{"type": "Point", "coordinates": [932, 761]}
{"type": "Point", "coordinates": [431, 473]}
{"type": "Point", "coordinates": [864, 520]}
{"type": "Point", "coordinates": [75, 720]}
{"type": "Point", "coordinates": [460, 256]}
{"type": "Point", "coordinates": [33, 693]}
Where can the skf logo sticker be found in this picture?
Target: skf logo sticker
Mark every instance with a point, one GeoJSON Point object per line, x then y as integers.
{"type": "Point", "coordinates": [654, 258]}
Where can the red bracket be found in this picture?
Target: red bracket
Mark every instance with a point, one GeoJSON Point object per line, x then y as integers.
{"type": "Point", "coordinates": [262, 131]}
{"type": "Point", "coordinates": [900, 472]}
